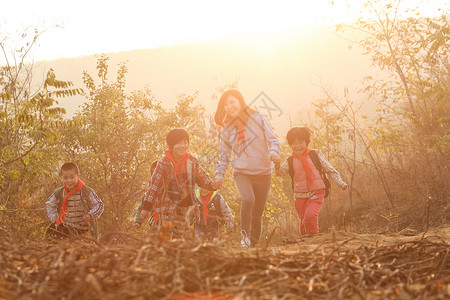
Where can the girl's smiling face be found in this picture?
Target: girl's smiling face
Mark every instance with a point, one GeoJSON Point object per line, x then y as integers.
{"type": "Point", "coordinates": [298, 147]}
{"type": "Point", "coordinates": [232, 106]}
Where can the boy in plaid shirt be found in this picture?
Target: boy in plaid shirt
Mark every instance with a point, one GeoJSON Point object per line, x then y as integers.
{"type": "Point", "coordinates": [173, 182]}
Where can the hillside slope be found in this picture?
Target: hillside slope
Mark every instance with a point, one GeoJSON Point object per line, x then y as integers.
{"type": "Point", "coordinates": [287, 67]}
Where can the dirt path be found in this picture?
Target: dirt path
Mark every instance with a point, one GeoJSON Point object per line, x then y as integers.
{"type": "Point", "coordinates": [351, 241]}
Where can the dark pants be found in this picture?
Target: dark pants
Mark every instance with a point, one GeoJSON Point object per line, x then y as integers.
{"type": "Point", "coordinates": [254, 190]}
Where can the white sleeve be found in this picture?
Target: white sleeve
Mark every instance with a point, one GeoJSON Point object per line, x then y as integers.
{"type": "Point", "coordinates": [225, 148]}
{"type": "Point", "coordinates": [95, 204]}
{"type": "Point", "coordinates": [51, 208]}
{"type": "Point", "coordinates": [329, 169]}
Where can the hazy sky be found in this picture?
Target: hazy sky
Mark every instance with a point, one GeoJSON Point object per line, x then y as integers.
{"type": "Point", "coordinates": [90, 26]}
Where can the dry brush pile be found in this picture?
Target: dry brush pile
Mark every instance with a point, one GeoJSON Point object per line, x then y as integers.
{"type": "Point", "coordinates": [155, 269]}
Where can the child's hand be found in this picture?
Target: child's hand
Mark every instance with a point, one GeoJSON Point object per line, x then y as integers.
{"type": "Point", "coordinates": [275, 158]}
{"type": "Point", "coordinates": [218, 182]}
{"type": "Point", "coordinates": [344, 187]}
{"type": "Point", "coordinates": [144, 214]}
{"type": "Point", "coordinates": [87, 219]}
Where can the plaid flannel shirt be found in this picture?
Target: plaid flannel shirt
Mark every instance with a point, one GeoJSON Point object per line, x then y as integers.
{"type": "Point", "coordinates": [163, 178]}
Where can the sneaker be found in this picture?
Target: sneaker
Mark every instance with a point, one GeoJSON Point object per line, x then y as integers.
{"type": "Point", "coordinates": [245, 242]}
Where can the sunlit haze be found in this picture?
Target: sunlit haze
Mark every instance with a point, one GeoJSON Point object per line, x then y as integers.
{"type": "Point", "coordinates": [273, 46]}
{"type": "Point", "coordinates": [88, 27]}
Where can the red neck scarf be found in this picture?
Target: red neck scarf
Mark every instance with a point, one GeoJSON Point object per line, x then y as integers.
{"type": "Point", "coordinates": [306, 166]}
{"type": "Point", "coordinates": [205, 201]}
{"type": "Point", "coordinates": [241, 135]}
{"type": "Point", "coordinates": [180, 165]}
{"type": "Point", "coordinates": [65, 202]}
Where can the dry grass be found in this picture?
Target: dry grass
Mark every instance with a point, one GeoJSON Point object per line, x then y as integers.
{"type": "Point", "coordinates": [329, 266]}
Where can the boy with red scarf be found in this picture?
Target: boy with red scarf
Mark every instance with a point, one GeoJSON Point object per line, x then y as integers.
{"type": "Point", "coordinates": [74, 207]}
{"type": "Point", "coordinates": [307, 181]}
{"type": "Point", "coordinates": [214, 212]}
{"type": "Point", "coordinates": [175, 177]}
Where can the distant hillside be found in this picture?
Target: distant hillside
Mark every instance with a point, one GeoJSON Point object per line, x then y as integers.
{"type": "Point", "coordinates": [285, 66]}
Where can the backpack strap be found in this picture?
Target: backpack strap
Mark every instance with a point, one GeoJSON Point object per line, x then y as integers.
{"type": "Point", "coordinates": [315, 159]}
{"type": "Point", "coordinates": [194, 200]}
{"type": "Point", "coordinates": [85, 192]}
{"type": "Point", "coordinates": [290, 161]}
{"type": "Point", "coordinates": [191, 181]}
{"type": "Point", "coordinates": [59, 196]}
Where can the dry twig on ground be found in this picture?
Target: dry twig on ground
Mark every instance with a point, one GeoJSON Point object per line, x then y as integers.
{"type": "Point", "coordinates": [156, 269]}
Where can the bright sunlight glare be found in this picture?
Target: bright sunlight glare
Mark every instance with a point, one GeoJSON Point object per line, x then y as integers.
{"type": "Point", "coordinates": [86, 27]}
